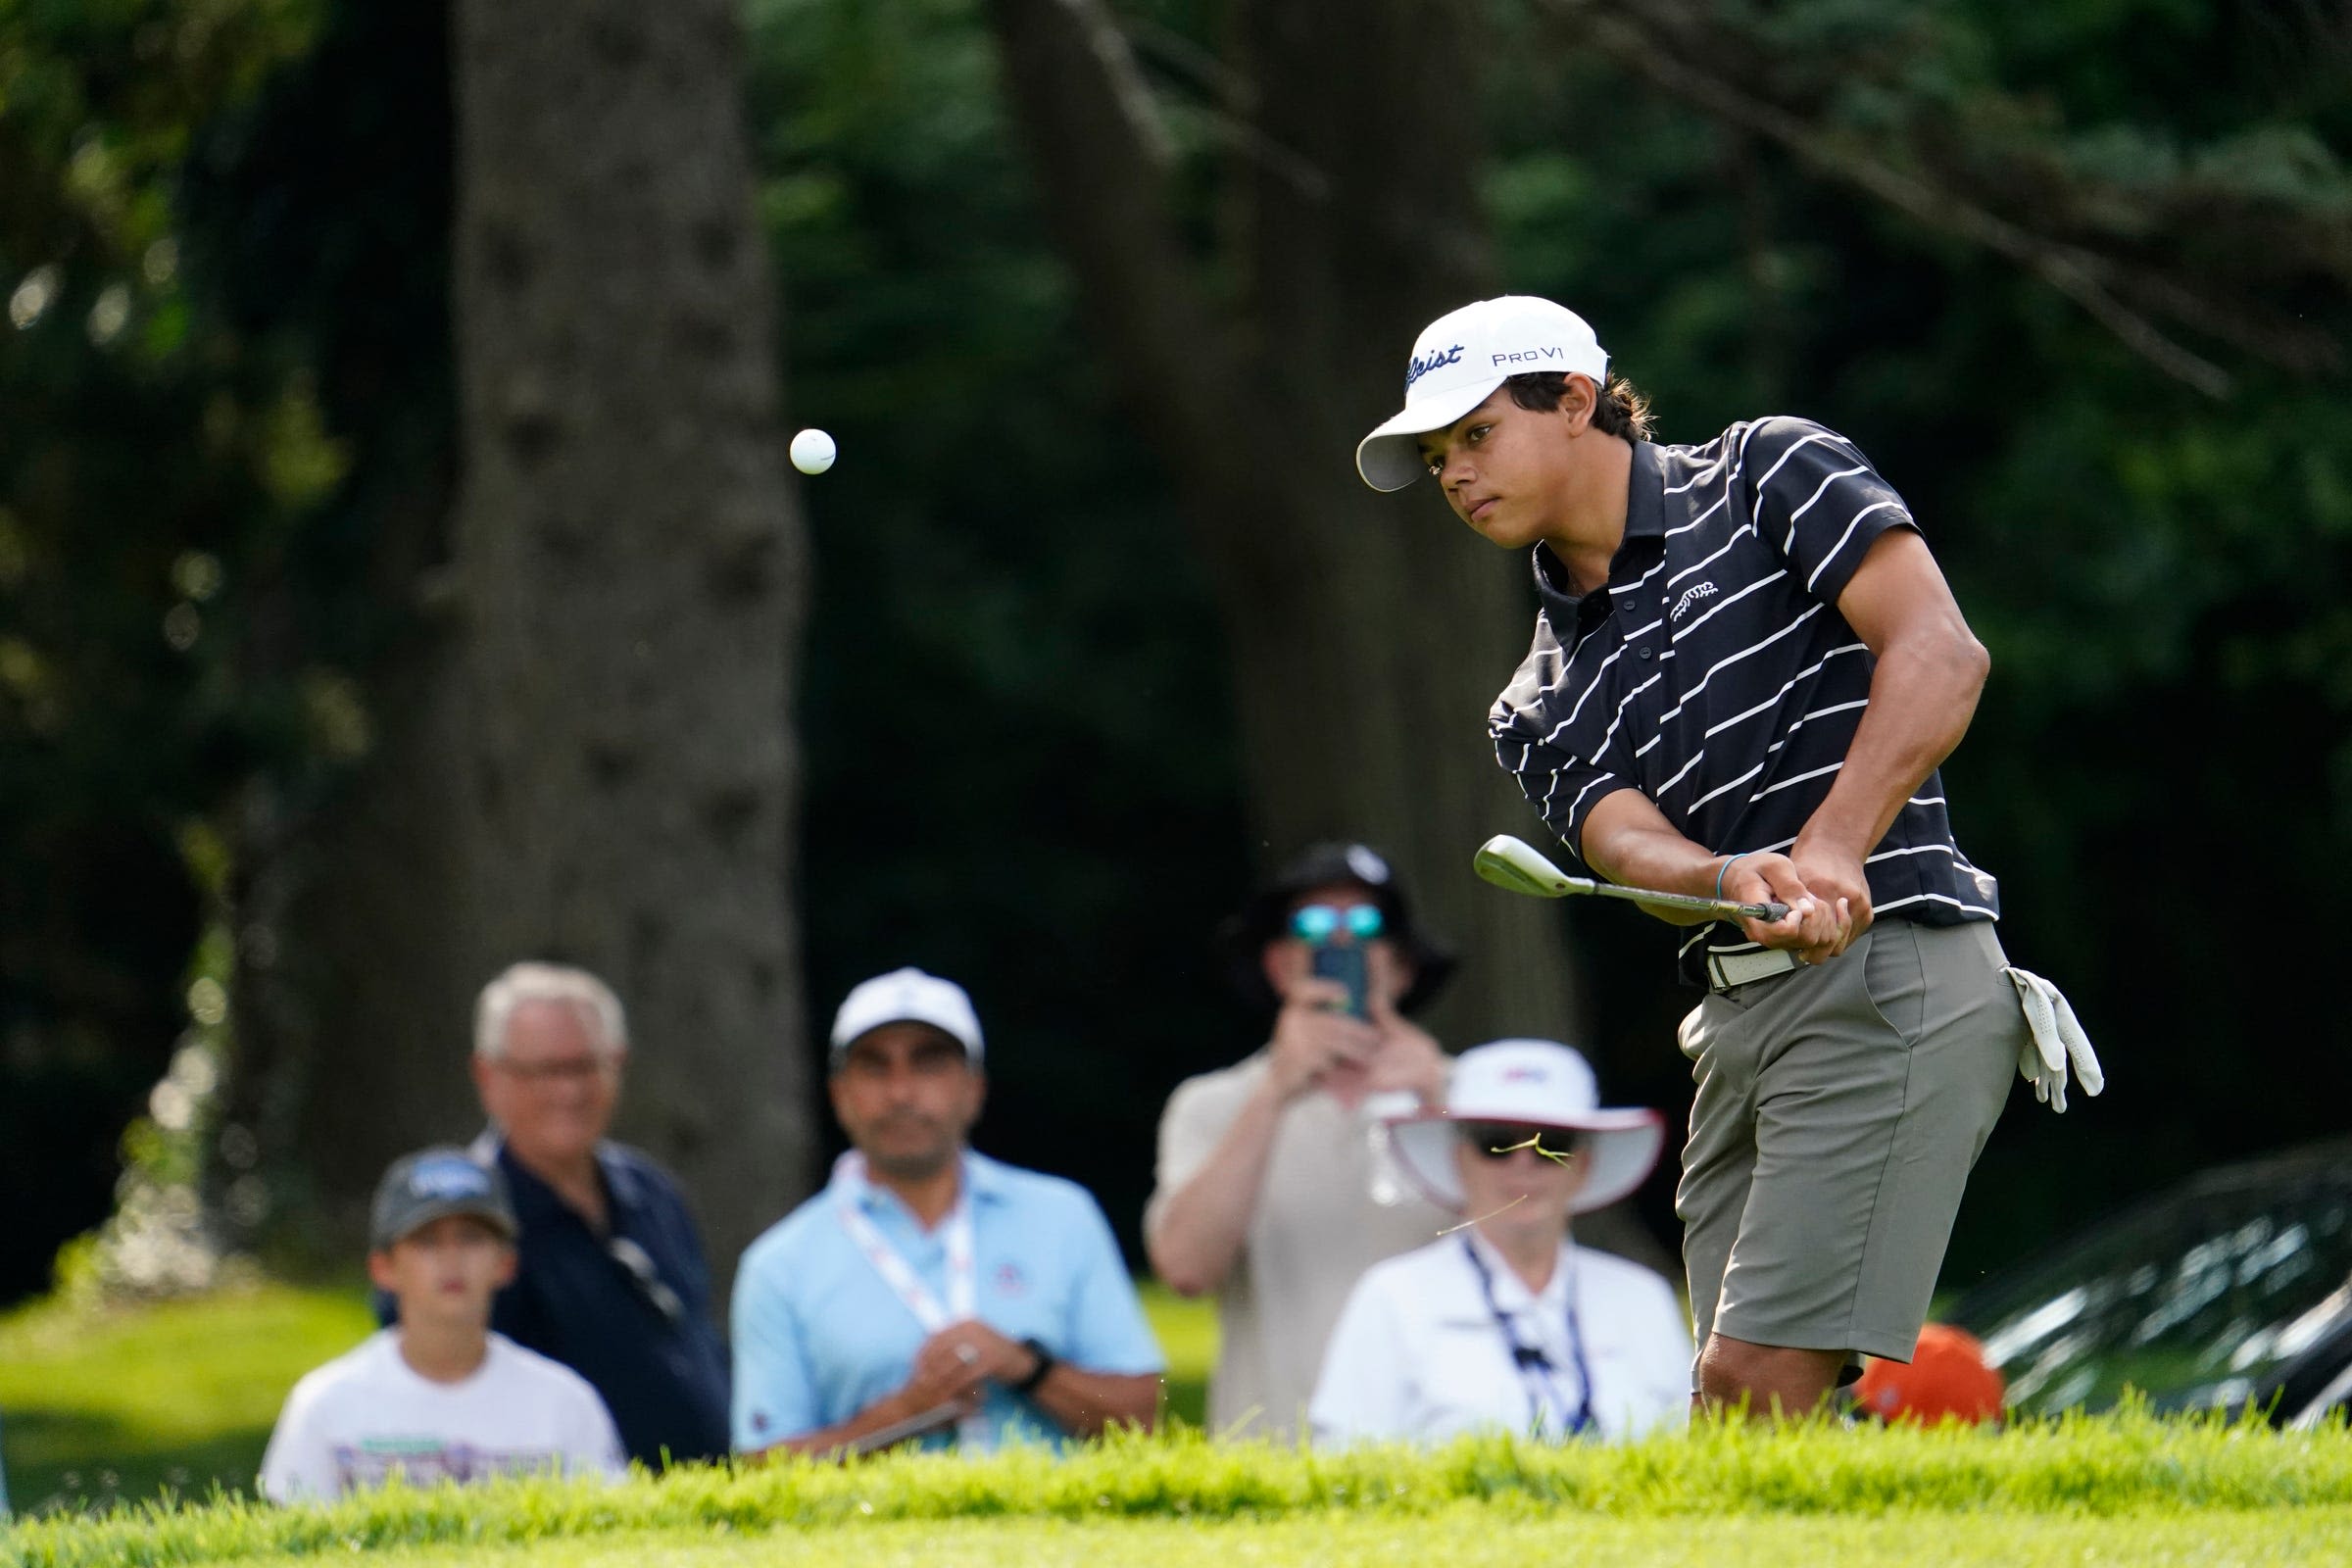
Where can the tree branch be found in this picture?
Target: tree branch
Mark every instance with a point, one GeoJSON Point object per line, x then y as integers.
{"type": "Point", "coordinates": [2082, 276]}
{"type": "Point", "coordinates": [1103, 160]}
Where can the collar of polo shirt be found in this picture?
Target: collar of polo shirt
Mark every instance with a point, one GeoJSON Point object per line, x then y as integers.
{"type": "Point", "coordinates": [1644, 519]}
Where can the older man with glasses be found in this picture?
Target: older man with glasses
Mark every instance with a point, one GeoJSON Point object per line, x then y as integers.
{"type": "Point", "coordinates": [612, 1280]}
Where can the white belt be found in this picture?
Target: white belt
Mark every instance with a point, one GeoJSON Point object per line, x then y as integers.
{"type": "Point", "coordinates": [1727, 971]}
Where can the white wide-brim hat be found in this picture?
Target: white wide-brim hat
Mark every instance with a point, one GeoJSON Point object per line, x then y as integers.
{"type": "Point", "coordinates": [1462, 357]}
{"type": "Point", "coordinates": [1539, 1084]}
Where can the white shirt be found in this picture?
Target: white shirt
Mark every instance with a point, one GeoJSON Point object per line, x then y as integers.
{"type": "Point", "coordinates": [1418, 1355]}
{"type": "Point", "coordinates": [352, 1422]}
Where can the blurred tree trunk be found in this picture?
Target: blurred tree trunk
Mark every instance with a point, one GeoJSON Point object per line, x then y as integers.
{"type": "Point", "coordinates": [588, 755]}
{"type": "Point", "coordinates": [1368, 635]}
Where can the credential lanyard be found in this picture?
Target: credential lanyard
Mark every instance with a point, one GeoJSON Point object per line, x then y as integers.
{"type": "Point", "coordinates": [974, 1433]}
{"type": "Point", "coordinates": [1544, 1396]}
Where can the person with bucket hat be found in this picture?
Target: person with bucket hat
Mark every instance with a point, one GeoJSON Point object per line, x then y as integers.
{"type": "Point", "coordinates": [1270, 1190]}
{"type": "Point", "coordinates": [1504, 1323]}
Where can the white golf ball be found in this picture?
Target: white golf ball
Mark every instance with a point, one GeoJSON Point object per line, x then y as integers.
{"type": "Point", "coordinates": [813, 451]}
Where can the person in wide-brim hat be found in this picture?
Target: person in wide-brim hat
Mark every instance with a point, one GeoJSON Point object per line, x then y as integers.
{"type": "Point", "coordinates": [1525, 1087]}
{"type": "Point", "coordinates": [1505, 1324]}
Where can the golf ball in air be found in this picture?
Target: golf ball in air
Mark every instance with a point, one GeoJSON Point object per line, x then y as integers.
{"type": "Point", "coordinates": [813, 451]}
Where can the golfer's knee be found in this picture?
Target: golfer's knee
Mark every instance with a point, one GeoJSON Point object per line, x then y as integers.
{"type": "Point", "coordinates": [1765, 1377]}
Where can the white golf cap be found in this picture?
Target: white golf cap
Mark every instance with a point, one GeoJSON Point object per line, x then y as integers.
{"type": "Point", "coordinates": [1535, 1083]}
{"type": "Point", "coordinates": [907, 996]}
{"type": "Point", "coordinates": [1461, 356]}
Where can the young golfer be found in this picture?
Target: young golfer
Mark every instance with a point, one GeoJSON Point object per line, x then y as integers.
{"type": "Point", "coordinates": [437, 1396]}
{"type": "Point", "coordinates": [1746, 671]}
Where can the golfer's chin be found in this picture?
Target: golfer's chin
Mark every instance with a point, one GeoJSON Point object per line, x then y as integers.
{"type": "Point", "coordinates": [1494, 522]}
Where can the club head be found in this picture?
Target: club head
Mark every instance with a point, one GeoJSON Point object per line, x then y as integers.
{"type": "Point", "coordinates": [1520, 867]}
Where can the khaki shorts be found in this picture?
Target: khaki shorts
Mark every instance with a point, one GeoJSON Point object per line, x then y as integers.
{"type": "Point", "coordinates": [1839, 1111]}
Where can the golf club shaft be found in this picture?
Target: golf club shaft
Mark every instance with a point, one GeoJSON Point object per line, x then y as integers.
{"type": "Point", "coordinates": [1521, 867]}
{"type": "Point", "coordinates": [1723, 909]}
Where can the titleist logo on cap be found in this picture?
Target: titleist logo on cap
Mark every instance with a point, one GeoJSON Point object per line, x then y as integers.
{"type": "Point", "coordinates": [1436, 359]}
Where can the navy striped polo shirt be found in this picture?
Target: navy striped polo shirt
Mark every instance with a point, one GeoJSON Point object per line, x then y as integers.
{"type": "Point", "coordinates": [1714, 674]}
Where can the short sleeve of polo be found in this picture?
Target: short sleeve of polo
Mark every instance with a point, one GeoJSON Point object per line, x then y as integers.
{"type": "Point", "coordinates": [774, 1395]}
{"type": "Point", "coordinates": [1817, 501]}
{"type": "Point", "coordinates": [1529, 724]}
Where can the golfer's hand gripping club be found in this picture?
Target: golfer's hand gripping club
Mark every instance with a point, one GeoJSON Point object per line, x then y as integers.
{"type": "Point", "coordinates": [1520, 867]}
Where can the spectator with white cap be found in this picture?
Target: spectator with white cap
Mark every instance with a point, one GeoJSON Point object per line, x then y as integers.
{"type": "Point", "coordinates": [1505, 1324]}
{"type": "Point", "coordinates": [930, 1294]}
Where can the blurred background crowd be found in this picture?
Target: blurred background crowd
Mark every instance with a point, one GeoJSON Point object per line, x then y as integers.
{"type": "Point", "coordinates": [399, 573]}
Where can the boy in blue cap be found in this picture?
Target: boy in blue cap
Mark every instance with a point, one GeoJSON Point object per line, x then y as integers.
{"type": "Point", "coordinates": [437, 1396]}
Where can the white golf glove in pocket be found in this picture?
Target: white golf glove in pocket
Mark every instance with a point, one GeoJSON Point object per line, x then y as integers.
{"type": "Point", "coordinates": [2054, 1040]}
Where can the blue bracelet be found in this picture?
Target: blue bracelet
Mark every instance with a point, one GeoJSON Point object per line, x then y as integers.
{"type": "Point", "coordinates": [1725, 866]}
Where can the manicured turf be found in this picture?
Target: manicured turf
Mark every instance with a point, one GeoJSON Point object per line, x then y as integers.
{"type": "Point", "coordinates": [108, 1406]}
{"type": "Point", "coordinates": [2128, 1489]}
{"type": "Point", "coordinates": [99, 1405]}
{"type": "Point", "coordinates": [1465, 1536]}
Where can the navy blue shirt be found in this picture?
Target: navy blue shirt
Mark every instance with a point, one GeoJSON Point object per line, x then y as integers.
{"type": "Point", "coordinates": [662, 1374]}
{"type": "Point", "coordinates": [1714, 674]}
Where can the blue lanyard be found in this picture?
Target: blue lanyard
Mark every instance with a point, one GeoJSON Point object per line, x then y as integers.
{"type": "Point", "coordinates": [1534, 1366]}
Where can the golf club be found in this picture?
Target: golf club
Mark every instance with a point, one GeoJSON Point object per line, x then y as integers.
{"type": "Point", "coordinates": [1520, 867]}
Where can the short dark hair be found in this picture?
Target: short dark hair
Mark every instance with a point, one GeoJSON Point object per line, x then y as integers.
{"type": "Point", "coordinates": [1621, 410]}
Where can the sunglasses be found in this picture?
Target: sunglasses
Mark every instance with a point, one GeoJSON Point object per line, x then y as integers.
{"type": "Point", "coordinates": [1500, 1140]}
{"type": "Point", "coordinates": [1318, 922]}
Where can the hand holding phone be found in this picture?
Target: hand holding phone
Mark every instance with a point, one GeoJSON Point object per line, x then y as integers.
{"type": "Point", "coordinates": [1346, 964]}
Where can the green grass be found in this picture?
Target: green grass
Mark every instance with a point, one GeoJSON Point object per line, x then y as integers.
{"type": "Point", "coordinates": [101, 1409]}
{"type": "Point", "coordinates": [1466, 1536]}
{"type": "Point", "coordinates": [2132, 1489]}
{"type": "Point", "coordinates": [1188, 1337]}
{"type": "Point", "coordinates": [98, 1407]}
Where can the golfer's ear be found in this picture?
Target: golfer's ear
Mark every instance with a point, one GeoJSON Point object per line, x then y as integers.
{"type": "Point", "coordinates": [1583, 399]}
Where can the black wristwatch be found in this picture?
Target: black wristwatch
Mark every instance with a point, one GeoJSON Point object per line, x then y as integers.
{"type": "Point", "coordinates": [1045, 1364]}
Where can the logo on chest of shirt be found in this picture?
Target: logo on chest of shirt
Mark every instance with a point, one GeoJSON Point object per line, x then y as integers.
{"type": "Point", "coordinates": [1690, 596]}
{"type": "Point", "coordinates": [1010, 1280]}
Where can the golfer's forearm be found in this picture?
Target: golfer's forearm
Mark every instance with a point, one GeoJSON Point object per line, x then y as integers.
{"type": "Point", "coordinates": [1200, 1233]}
{"type": "Point", "coordinates": [1628, 840]}
{"type": "Point", "coordinates": [1082, 1402]}
{"type": "Point", "coordinates": [1922, 697]}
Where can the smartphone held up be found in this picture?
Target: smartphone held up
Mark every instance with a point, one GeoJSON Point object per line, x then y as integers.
{"type": "Point", "coordinates": [1338, 943]}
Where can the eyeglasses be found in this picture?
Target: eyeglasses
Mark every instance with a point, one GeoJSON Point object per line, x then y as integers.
{"type": "Point", "coordinates": [1318, 922]}
{"type": "Point", "coordinates": [1500, 1140]}
{"type": "Point", "coordinates": [563, 1069]}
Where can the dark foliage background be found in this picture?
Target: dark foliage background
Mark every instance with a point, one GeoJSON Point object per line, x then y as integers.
{"type": "Point", "coordinates": [227, 423]}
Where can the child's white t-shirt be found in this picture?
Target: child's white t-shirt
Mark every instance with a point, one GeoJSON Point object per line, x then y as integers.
{"type": "Point", "coordinates": [351, 1423]}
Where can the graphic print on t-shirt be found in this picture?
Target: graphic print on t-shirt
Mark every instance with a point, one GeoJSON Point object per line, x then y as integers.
{"type": "Point", "coordinates": [428, 1462]}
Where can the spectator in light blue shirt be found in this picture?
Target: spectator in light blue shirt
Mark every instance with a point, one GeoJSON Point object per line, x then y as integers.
{"type": "Point", "coordinates": [930, 1294]}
